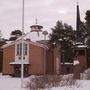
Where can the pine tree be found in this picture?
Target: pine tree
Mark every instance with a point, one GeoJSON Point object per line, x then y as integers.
{"type": "Point", "coordinates": [87, 23]}
{"type": "Point", "coordinates": [87, 18]}
{"type": "Point", "coordinates": [63, 37]}
{"type": "Point", "coordinates": [15, 34]}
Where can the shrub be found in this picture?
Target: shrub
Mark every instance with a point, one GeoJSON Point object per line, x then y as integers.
{"type": "Point", "coordinates": [48, 81]}
{"type": "Point", "coordinates": [86, 74]}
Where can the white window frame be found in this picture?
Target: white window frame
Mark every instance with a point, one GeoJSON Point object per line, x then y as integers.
{"type": "Point", "coordinates": [18, 54]}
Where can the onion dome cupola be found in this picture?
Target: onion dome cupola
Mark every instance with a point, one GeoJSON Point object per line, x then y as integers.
{"type": "Point", "coordinates": [36, 28]}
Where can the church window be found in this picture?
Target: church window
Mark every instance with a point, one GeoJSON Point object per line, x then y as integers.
{"type": "Point", "coordinates": [19, 49]}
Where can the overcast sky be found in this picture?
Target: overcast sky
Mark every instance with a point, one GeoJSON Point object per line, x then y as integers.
{"type": "Point", "coordinates": [46, 11]}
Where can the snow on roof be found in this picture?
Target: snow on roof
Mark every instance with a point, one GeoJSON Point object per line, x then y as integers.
{"type": "Point", "coordinates": [79, 43]}
{"type": "Point", "coordinates": [81, 46]}
{"type": "Point", "coordinates": [67, 63]}
{"type": "Point", "coordinates": [34, 43]}
{"type": "Point", "coordinates": [9, 42]}
{"type": "Point", "coordinates": [76, 62]}
{"type": "Point", "coordinates": [38, 44]}
{"type": "Point", "coordinates": [20, 62]}
{"type": "Point", "coordinates": [34, 36]}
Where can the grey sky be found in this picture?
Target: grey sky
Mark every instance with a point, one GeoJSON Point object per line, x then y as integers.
{"type": "Point", "coordinates": [46, 11]}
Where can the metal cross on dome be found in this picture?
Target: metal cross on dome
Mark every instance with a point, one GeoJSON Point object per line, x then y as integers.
{"type": "Point", "coordinates": [36, 21]}
{"type": "Point", "coordinates": [77, 2]}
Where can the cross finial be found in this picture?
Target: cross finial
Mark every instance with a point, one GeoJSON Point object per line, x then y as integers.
{"type": "Point", "coordinates": [77, 2]}
{"type": "Point", "coordinates": [36, 21]}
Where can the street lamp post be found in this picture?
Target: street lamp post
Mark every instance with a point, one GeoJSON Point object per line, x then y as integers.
{"type": "Point", "coordinates": [22, 66]}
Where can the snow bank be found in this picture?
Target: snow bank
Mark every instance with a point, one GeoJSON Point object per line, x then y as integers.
{"type": "Point", "coordinates": [9, 83]}
{"type": "Point", "coordinates": [76, 62]}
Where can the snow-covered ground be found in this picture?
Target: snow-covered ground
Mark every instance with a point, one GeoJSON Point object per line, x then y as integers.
{"type": "Point", "coordinates": [83, 85]}
{"type": "Point", "coordinates": [10, 83]}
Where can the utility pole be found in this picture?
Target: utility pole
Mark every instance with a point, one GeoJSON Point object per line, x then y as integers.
{"type": "Point", "coordinates": [22, 64]}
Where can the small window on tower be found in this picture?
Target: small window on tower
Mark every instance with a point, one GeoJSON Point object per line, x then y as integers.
{"type": "Point", "coordinates": [81, 52]}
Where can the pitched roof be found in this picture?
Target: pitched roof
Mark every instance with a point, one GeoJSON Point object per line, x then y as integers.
{"type": "Point", "coordinates": [32, 38]}
{"type": "Point", "coordinates": [34, 43]}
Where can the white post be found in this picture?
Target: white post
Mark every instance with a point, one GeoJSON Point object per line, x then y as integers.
{"type": "Point", "coordinates": [44, 37]}
{"type": "Point", "coordinates": [22, 66]}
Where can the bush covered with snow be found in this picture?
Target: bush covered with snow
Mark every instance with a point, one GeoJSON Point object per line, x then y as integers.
{"type": "Point", "coordinates": [86, 74]}
{"type": "Point", "coordinates": [48, 81]}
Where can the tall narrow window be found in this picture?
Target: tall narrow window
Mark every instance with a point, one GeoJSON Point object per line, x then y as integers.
{"type": "Point", "coordinates": [17, 49]}
{"type": "Point", "coordinates": [25, 49]}
{"type": "Point", "coordinates": [20, 49]}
